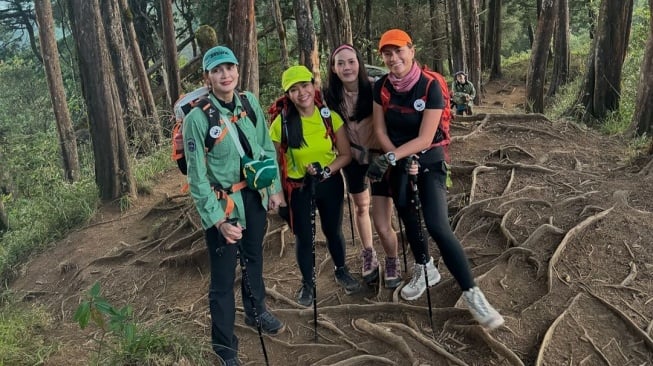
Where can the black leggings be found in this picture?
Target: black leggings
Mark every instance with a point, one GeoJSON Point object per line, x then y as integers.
{"type": "Point", "coordinates": [431, 182]}
{"type": "Point", "coordinates": [328, 201]}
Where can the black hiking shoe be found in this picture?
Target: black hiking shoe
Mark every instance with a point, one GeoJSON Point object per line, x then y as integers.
{"type": "Point", "coordinates": [346, 280]}
{"type": "Point", "coordinates": [305, 295]}
{"type": "Point", "coordinates": [269, 323]}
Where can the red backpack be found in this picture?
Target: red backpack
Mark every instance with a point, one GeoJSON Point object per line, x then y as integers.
{"type": "Point", "coordinates": [445, 119]}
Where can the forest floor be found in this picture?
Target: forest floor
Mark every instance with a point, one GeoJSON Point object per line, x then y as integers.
{"type": "Point", "coordinates": [557, 221]}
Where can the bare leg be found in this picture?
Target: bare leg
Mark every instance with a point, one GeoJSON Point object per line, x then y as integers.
{"type": "Point", "coordinates": [382, 216]}
{"type": "Point", "coordinates": [362, 214]}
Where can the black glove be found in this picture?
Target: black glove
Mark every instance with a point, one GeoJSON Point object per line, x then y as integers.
{"type": "Point", "coordinates": [377, 168]}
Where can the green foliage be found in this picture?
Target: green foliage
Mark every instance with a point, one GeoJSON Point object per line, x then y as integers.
{"type": "Point", "coordinates": [21, 334]}
{"type": "Point", "coordinates": [125, 341]}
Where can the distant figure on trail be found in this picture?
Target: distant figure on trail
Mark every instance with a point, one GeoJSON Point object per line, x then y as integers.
{"type": "Point", "coordinates": [349, 92]}
{"type": "Point", "coordinates": [463, 92]}
{"type": "Point", "coordinates": [408, 125]}
{"type": "Point", "coordinates": [312, 148]}
{"type": "Point", "coordinates": [233, 214]}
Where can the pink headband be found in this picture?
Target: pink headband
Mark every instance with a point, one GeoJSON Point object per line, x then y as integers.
{"type": "Point", "coordinates": [340, 48]}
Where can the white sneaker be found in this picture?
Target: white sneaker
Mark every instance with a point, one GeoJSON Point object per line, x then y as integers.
{"type": "Point", "coordinates": [417, 285]}
{"type": "Point", "coordinates": [481, 309]}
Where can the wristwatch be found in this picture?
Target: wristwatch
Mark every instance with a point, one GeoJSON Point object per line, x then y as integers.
{"type": "Point", "coordinates": [390, 156]}
{"type": "Point", "coordinates": [326, 172]}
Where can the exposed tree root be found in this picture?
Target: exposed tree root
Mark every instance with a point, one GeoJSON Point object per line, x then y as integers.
{"type": "Point", "coordinates": [542, 230]}
{"type": "Point", "coordinates": [550, 332]}
{"type": "Point", "coordinates": [384, 307]}
{"type": "Point", "coordinates": [526, 200]}
{"type": "Point", "coordinates": [535, 131]}
{"type": "Point", "coordinates": [574, 199]}
{"type": "Point", "coordinates": [512, 241]}
{"type": "Point", "coordinates": [475, 172]}
{"type": "Point", "coordinates": [626, 319]}
{"type": "Point", "coordinates": [193, 257]}
{"type": "Point", "coordinates": [431, 344]}
{"type": "Point", "coordinates": [509, 184]}
{"type": "Point", "coordinates": [112, 259]}
{"type": "Point", "coordinates": [273, 293]}
{"type": "Point", "coordinates": [647, 169]}
{"type": "Point", "coordinates": [395, 341]}
{"type": "Point", "coordinates": [496, 346]}
{"type": "Point", "coordinates": [502, 152]}
{"type": "Point", "coordinates": [587, 338]}
{"type": "Point", "coordinates": [631, 275]}
{"type": "Point", "coordinates": [520, 166]}
{"type": "Point", "coordinates": [474, 132]}
{"type": "Point", "coordinates": [364, 360]}
{"type": "Point", "coordinates": [486, 226]}
{"type": "Point", "coordinates": [571, 234]}
{"type": "Point", "coordinates": [185, 242]}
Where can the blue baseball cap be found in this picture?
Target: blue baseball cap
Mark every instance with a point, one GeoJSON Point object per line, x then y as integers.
{"type": "Point", "coordinates": [218, 55]}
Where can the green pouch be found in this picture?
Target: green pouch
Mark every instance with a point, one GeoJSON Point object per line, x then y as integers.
{"type": "Point", "coordinates": [260, 173]}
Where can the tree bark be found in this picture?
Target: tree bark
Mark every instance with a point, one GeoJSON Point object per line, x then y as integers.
{"type": "Point", "coordinates": [306, 39]}
{"type": "Point", "coordinates": [438, 23]}
{"type": "Point", "coordinates": [368, 31]}
{"type": "Point", "coordinates": [535, 78]}
{"type": "Point", "coordinates": [336, 22]}
{"type": "Point", "coordinates": [643, 116]}
{"type": "Point", "coordinates": [137, 132]}
{"type": "Point", "coordinates": [602, 86]}
{"type": "Point", "coordinates": [475, 75]}
{"type": "Point", "coordinates": [458, 51]}
{"type": "Point", "coordinates": [170, 52]}
{"type": "Point", "coordinates": [50, 56]}
{"type": "Point", "coordinates": [4, 221]}
{"type": "Point", "coordinates": [560, 74]}
{"type": "Point", "coordinates": [143, 80]}
{"type": "Point", "coordinates": [112, 167]}
{"type": "Point", "coordinates": [281, 31]}
{"type": "Point", "coordinates": [242, 26]}
{"type": "Point", "coordinates": [495, 34]}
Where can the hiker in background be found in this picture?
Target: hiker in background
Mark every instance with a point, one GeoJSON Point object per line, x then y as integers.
{"type": "Point", "coordinates": [463, 92]}
{"type": "Point", "coordinates": [407, 125]}
{"type": "Point", "coordinates": [311, 142]}
{"type": "Point", "coordinates": [221, 197]}
{"type": "Point", "coordinates": [349, 93]}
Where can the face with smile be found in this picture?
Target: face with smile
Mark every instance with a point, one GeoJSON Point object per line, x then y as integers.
{"type": "Point", "coordinates": [222, 80]}
{"type": "Point", "coordinates": [398, 60]}
{"type": "Point", "coordinates": [302, 94]}
{"type": "Point", "coordinates": [346, 66]}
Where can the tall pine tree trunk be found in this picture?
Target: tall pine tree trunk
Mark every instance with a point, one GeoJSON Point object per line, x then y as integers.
{"type": "Point", "coordinates": [153, 124]}
{"type": "Point", "coordinates": [50, 56]}
{"type": "Point", "coordinates": [242, 26]}
{"type": "Point", "coordinates": [112, 167]}
{"type": "Point", "coordinates": [602, 86]}
{"type": "Point", "coordinates": [535, 78]}
{"type": "Point", "coordinates": [170, 51]}
{"type": "Point", "coordinates": [336, 22]}
{"type": "Point", "coordinates": [643, 116]}
{"type": "Point", "coordinates": [281, 31]}
{"type": "Point", "coordinates": [475, 75]}
{"type": "Point", "coordinates": [457, 36]}
{"type": "Point", "coordinates": [561, 55]}
{"type": "Point", "coordinates": [306, 38]}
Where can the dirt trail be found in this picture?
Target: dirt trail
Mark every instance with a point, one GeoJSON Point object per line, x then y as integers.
{"type": "Point", "coordinates": [556, 221]}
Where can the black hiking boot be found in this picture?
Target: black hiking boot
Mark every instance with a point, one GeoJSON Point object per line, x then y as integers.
{"type": "Point", "coordinates": [305, 295]}
{"type": "Point", "coordinates": [269, 323]}
{"type": "Point", "coordinates": [346, 280]}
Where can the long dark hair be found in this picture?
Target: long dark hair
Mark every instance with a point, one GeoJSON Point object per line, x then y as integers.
{"type": "Point", "coordinates": [334, 90]}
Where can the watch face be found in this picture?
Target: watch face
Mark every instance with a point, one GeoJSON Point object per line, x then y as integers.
{"type": "Point", "coordinates": [391, 156]}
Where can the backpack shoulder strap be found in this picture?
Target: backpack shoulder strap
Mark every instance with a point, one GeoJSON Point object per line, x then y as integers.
{"type": "Point", "coordinates": [213, 116]}
{"type": "Point", "coordinates": [326, 118]}
{"type": "Point", "coordinates": [248, 107]}
{"type": "Point", "coordinates": [385, 93]}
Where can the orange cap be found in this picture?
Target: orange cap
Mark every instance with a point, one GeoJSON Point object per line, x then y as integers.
{"type": "Point", "coordinates": [394, 37]}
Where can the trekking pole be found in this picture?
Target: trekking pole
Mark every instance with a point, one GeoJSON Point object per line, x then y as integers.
{"type": "Point", "coordinates": [403, 239]}
{"type": "Point", "coordinates": [248, 287]}
{"type": "Point", "coordinates": [313, 179]}
{"type": "Point", "coordinates": [351, 222]}
{"type": "Point", "coordinates": [425, 259]}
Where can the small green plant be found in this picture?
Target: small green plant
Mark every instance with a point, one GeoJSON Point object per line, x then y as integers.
{"type": "Point", "coordinates": [119, 332]}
